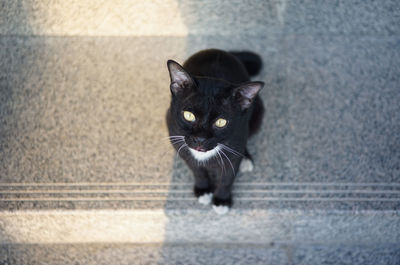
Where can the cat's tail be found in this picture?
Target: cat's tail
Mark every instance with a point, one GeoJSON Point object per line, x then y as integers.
{"type": "Point", "coordinates": [252, 61]}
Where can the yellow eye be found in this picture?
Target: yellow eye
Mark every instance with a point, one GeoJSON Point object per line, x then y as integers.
{"type": "Point", "coordinates": [188, 116]}
{"type": "Point", "coordinates": [220, 123]}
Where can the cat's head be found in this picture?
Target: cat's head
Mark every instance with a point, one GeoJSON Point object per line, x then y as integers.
{"type": "Point", "coordinates": [208, 111]}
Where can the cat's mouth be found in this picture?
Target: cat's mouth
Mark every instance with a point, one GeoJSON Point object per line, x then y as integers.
{"type": "Point", "coordinates": [204, 155]}
{"type": "Point", "coordinates": [200, 149]}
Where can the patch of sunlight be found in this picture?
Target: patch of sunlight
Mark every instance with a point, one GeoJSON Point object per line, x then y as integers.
{"type": "Point", "coordinates": [119, 226]}
{"type": "Point", "coordinates": [107, 18]}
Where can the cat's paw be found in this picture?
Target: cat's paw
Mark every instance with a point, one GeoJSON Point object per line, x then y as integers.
{"type": "Point", "coordinates": [221, 209]}
{"type": "Point", "coordinates": [204, 195]}
{"type": "Point", "coordinates": [221, 206]}
{"type": "Point", "coordinates": [246, 165]}
{"type": "Point", "coordinates": [205, 199]}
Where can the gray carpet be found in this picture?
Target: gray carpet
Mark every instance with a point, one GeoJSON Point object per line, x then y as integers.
{"type": "Point", "coordinates": [82, 115]}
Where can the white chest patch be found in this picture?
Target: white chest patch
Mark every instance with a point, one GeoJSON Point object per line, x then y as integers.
{"type": "Point", "coordinates": [204, 156]}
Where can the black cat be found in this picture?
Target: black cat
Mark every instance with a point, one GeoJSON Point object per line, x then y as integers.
{"type": "Point", "coordinates": [214, 109]}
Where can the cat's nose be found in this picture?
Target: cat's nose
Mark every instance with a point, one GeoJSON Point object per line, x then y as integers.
{"type": "Point", "coordinates": [198, 143]}
{"type": "Point", "coordinates": [199, 140]}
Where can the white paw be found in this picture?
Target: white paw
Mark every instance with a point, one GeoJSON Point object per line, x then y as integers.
{"type": "Point", "coordinates": [221, 209]}
{"type": "Point", "coordinates": [205, 199]}
{"type": "Point", "coordinates": [246, 165]}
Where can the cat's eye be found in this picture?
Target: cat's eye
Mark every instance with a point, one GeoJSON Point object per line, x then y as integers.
{"type": "Point", "coordinates": [189, 116]}
{"type": "Point", "coordinates": [220, 123]}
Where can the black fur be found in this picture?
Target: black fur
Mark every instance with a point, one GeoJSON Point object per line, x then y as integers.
{"type": "Point", "coordinates": [251, 61]}
{"type": "Point", "coordinates": [215, 84]}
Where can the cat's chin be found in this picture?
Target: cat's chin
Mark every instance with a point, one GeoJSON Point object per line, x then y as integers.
{"type": "Point", "coordinates": [204, 156]}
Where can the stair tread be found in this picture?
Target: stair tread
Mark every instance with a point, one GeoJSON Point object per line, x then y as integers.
{"type": "Point", "coordinates": [196, 254]}
{"type": "Point", "coordinates": [85, 123]}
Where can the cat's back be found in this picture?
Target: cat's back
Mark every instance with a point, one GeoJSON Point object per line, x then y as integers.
{"type": "Point", "coordinates": [217, 64]}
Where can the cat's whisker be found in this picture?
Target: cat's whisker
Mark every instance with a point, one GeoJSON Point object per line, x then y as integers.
{"type": "Point", "coordinates": [175, 136]}
{"type": "Point", "coordinates": [165, 149]}
{"type": "Point", "coordinates": [233, 151]}
{"type": "Point", "coordinates": [222, 162]}
{"type": "Point", "coordinates": [233, 170]}
{"type": "Point", "coordinates": [174, 139]}
{"type": "Point", "coordinates": [168, 146]}
{"type": "Point", "coordinates": [172, 136]}
{"type": "Point", "coordinates": [173, 142]}
{"type": "Point", "coordinates": [182, 146]}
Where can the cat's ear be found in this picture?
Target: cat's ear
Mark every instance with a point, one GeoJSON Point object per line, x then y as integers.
{"type": "Point", "coordinates": [245, 93]}
{"type": "Point", "coordinates": [180, 79]}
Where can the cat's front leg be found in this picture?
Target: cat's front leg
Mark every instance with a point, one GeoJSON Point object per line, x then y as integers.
{"type": "Point", "coordinates": [222, 197]}
{"type": "Point", "coordinates": [202, 186]}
